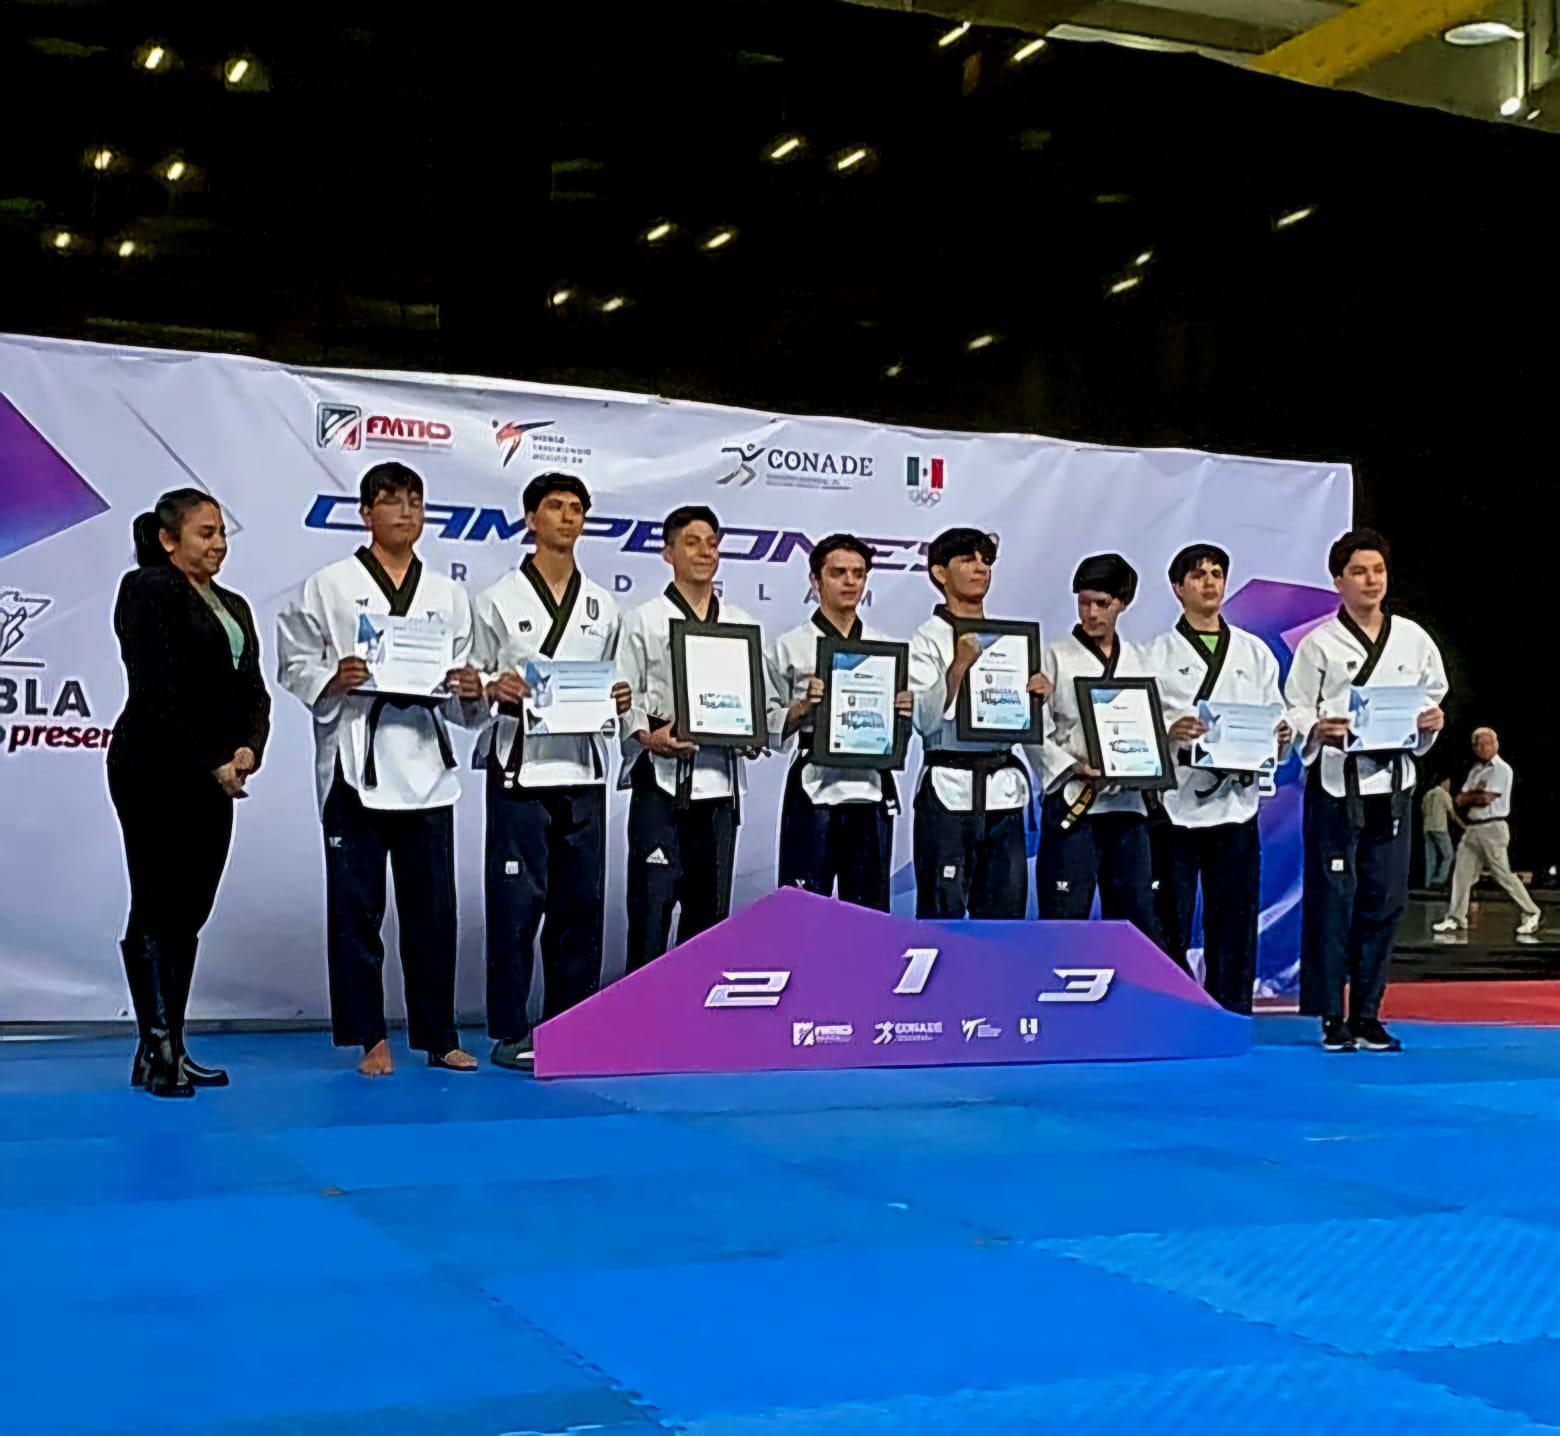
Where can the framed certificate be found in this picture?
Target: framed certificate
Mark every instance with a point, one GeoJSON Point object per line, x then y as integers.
{"type": "Point", "coordinates": [568, 697]}
{"type": "Point", "coordinates": [408, 657]}
{"type": "Point", "coordinates": [718, 684]}
{"type": "Point", "coordinates": [856, 726]}
{"type": "Point", "coordinates": [1124, 728]}
{"type": "Point", "coordinates": [995, 705]}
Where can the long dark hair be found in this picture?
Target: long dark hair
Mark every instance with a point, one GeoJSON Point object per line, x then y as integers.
{"type": "Point", "coordinates": [167, 517]}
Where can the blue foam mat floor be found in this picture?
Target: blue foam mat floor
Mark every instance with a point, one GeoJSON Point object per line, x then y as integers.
{"type": "Point", "coordinates": [1288, 1241]}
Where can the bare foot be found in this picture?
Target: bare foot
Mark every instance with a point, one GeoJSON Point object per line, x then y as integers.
{"type": "Point", "coordinates": [376, 1061]}
{"type": "Point", "coordinates": [460, 1060]}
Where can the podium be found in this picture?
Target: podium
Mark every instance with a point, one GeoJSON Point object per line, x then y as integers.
{"type": "Point", "coordinates": [798, 982]}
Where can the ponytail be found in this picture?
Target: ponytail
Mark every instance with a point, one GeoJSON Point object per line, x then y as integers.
{"type": "Point", "coordinates": [168, 517]}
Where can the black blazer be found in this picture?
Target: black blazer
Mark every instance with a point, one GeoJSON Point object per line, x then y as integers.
{"type": "Point", "coordinates": [187, 706]}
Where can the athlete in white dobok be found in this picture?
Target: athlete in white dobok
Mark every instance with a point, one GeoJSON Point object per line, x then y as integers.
{"type": "Point", "coordinates": [836, 824]}
{"type": "Point", "coordinates": [1357, 804]}
{"type": "Point", "coordinates": [385, 774]}
{"type": "Point", "coordinates": [1485, 807]}
{"type": "Point", "coordinates": [1210, 834]}
{"type": "Point", "coordinates": [546, 793]}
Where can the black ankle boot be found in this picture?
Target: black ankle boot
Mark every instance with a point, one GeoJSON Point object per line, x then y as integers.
{"type": "Point", "coordinates": [183, 976]}
{"type": "Point", "coordinates": [149, 971]}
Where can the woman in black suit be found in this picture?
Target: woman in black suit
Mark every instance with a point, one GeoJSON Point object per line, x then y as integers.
{"type": "Point", "coordinates": [192, 732]}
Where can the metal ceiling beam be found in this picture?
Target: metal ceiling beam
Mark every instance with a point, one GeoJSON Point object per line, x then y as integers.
{"type": "Point", "coordinates": [1034, 16]}
{"type": "Point", "coordinates": [1372, 31]}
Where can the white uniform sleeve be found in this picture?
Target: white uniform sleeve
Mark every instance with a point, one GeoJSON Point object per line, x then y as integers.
{"type": "Point", "coordinates": [633, 661]}
{"type": "Point", "coordinates": [488, 635]}
{"type": "Point", "coordinates": [777, 694]}
{"type": "Point", "coordinates": [468, 712]}
{"type": "Point", "coordinates": [1051, 762]}
{"type": "Point", "coordinates": [305, 661]}
{"type": "Point", "coordinates": [1433, 676]}
{"type": "Point", "coordinates": [1303, 698]}
{"type": "Point", "coordinates": [928, 687]}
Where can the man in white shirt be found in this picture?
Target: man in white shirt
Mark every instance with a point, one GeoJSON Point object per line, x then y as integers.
{"type": "Point", "coordinates": [385, 774]}
{"type": "Point", "coordinates": [1485, 805]}
{"type": "Point", "coordinates": [683, 813]}
{"type": "Point", "coordinates": [1357, 804]}
{"type": "Point", "coordinates": [836, 824]}
{"type": "Point", "coordinates": [546, 794]}
{"type": "Point", "coordinates": [969, 807]}
{"type": "Point", "coordinates": [1211, 832]}
{"type": "Point", "coordinates": [1092, 835]}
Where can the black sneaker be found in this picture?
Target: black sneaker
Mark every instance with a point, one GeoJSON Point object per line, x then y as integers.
{"type": "Point", "coordinates": [1335, 1036]}
{"type": "Point", "coordinates": [1371, 1036]}
{"type": "Point", "coordinates": [518, 1055]}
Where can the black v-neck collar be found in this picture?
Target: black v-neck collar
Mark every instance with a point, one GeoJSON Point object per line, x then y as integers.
{"type": "Point", "coordinates": [559, 612]}
{"type": "Point", "coordinates": [828, 630]}
{"type": "Point", "coordinates": [674, 597]}
{"type": "Point", "coordinates": [1373, 651]}
{"type": "Point", "coordinates": [1214, 659]}
{"type": "Point", "coordinates": [399, 599]}
{"type": "Point", "coordinates": [1107, 662]}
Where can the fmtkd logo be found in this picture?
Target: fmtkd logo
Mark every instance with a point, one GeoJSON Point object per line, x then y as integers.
{"type": "Point", "coordinates": [344, 427]}
{"type": "Point", "coordinates": [26, 692]}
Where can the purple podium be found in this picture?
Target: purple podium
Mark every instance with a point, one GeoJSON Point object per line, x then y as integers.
{"type": "Point", "coordinates": [798, 982]}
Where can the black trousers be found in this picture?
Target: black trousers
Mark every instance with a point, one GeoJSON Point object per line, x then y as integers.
{"type": "Point", "coordinates": [1227, 859]}
{"type": "Point", "coordinates": [1356, 887]}
{"type": "Point", "coordinates": [545, 857]}
{"type": "Point", "coordinates": [968, 864]}
{"type": "Point", "coordinates": [849, 844]}
{"type": "Point", "coordinates": [1108, 851]}
{"type": "Point", "coordinates": [678, 858]}
{"type": "Point", "coordinates": [419, 844]}
{"type": "Point", "coordinates": [177, 831]}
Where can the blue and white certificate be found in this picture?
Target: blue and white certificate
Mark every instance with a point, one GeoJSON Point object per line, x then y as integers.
{"type": "Point", "coordinates": [408, 656]}
{"type": "Point", "coordinates": [1241, 737]}
{"type": "Point", "coordinates": [999, 682]}
{"type": "Point", "coordinates": [1385, 719]}
{"type": "Point", "coordinates": [568, 697]}
{"type": "Point", "coordinates": [861, 707]}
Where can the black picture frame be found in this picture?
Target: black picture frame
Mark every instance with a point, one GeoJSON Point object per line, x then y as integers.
{"type": "Point", "coordinates": [828, 650]}
{"type": "Point", "coordinates": [965, 728]}
{"type": "Point", "coordinates": [1085, 689]}
{"type": "Point", "coordinates": [751, 636]}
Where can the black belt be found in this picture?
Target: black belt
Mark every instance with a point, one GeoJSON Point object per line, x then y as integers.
{"type": "Point", "coordinates": [804, 751]}
{"type": "Point", "coordinates": [1220, 776]}
{"type": "Point", "coordinates": [383, 701]}
{"type": "Point", "coordinates": [1351, 786]}
{"type": "Point", "coordinates": [685, 775]}
{"type": "Point", "coordinates": [980, 767]}
{"type": "Point", "coordinates": [1476, 822]}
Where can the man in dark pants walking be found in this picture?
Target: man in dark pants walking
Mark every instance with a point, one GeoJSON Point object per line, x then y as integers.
{"type": "Point", "coordinates": [1357, 802]}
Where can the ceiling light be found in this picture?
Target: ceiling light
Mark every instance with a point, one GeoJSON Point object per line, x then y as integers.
{"type": "Point", "coordinates": [126, 248]}
{"type": "Point", "coordinates": [63, 239]}
{"type": "Point", "coordinates": [1121, 286]}
{"type": "Point", "coordinates": [154, 57]}
{"type": "Point", "coordinates": [720, 239]}
{"type": "Point", "coordinates": [1294, 217]}
{"type": "Point", "coordinates": [1034, 47]}
{"type": "Point", "coordinates": [102, 160]}
{"type": "Point", "coordinates": [1533, 114]}
{"type": "Point", "coordinates": [785, 147]}
{"type": "Point", "coordinates": [850, 161]}
{"type": "Point", "coordinates": [981, 341]}
{"type": "Point", "coordinates": [1510, 106]}
{"type": "Point", "coordinates": [236, 70]}
{"type": "Point", "coordinates": [175, 170]}
{"type": "Point", "coordinates": [1143, 258]}
{"type": "Point", "coordinates": [1481, 32]}
{"type": "Point", "coordinates": [561, 296]}
{"type": "Point", "coordinates": [958, 32]}
{"type": "Point", "coordinates": [657, 232]}
{"type": "Point", "coordinates": [614, 304]}
{"type": "Point", "coordinates": [894, 370]}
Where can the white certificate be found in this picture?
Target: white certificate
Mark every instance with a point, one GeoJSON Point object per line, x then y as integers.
{"type": "Point", "coordinates": [408, 656]}
{"type": "Point", "coordinates": [998, 681]}
{"type": "Point", "coordinates": [1129, 743]}
{"type": "Point", "coordinates": [568, 697]}
{"type": "Point", "coordinates": [861, 704]}
{"type": "Point", "coordinates": [719, 684]}
{"type": "Point", "coordinates": [1241, 737]}
{"type": "Point", "coordinates": [1385, 719]}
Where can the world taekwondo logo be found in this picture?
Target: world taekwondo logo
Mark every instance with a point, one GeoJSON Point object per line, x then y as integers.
{"type": "Point", "coordinates": [16, 612]}
{"type": "Point", "coordinates": [510, 436]}
{"type": "Point", "coordinates": [743, 473]}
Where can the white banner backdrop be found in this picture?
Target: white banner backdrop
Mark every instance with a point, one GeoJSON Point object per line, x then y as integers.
{"type": "Point", "coordinates": [90, 434]}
